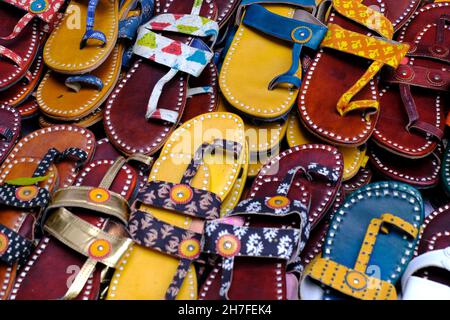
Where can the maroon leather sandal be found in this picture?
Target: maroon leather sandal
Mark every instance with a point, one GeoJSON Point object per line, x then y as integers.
{"type": "Point", "coordinates": [413, 101]}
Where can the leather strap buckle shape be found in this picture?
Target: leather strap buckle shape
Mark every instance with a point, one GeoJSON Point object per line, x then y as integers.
{"type": "Point", "coordinates": [354, 281]}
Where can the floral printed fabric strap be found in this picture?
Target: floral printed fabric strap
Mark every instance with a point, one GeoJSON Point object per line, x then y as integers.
{"type": "Point", "coordinates": [75, 82]}
{"type": "Point", "coordinates": [180, 198]}
{"type": "Point", "coordinates": [230, 241]}
{"type": "Point", "coordinates": [382, 51]}
{"type": "Point", "coordinates": [45, 10]}
{"type": "Point", "coordinates": [354, 281]}
{"type": "Point", "coordinates": [230, 147]}
{"type": "Point", "coordinates": [13, 247]}
{"type": "Point", "coordinates": [6, 134]}
{"type": "Point", "coordinates": [157, 235]}
{"type": "Point", "coordinates": [128, 27]}
{"type": "Point", "coordinates": [174, 54]}
{"type": "Point", "coordinates": [302, 30]}
{"type": "Point", "coordinates": [90, 32]}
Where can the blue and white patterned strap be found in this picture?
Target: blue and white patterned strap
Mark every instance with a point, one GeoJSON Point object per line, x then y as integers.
{"type": "Point", "coordinates": [199, 90]}
{"type": "Point", "coordinates": [128, 27]}
{"type": "Point", "coordinates": [90, 32]}
{"type": "Point", "coordinates": [13, 247]}
{"type": "Point", "coordinates": [75, 82]}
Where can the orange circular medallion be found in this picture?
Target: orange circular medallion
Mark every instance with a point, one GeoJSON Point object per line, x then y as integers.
{"type": "Point", "coordinates": [181, 194]}
{"type": "Point", "coordinates": [228, 245]}
{"type": "Point", "coordinates": [99, 249]}
{"type": "Point", "coordinates": [356, 280]}
{"type": "Point", "coordinates": [278, 202]}
{"type": "Point", "coordinates": [26, 193]}
{"type": "Point", "coordinates": [189, 248]}
{"type": "Point", "coordinates": [99, 195]}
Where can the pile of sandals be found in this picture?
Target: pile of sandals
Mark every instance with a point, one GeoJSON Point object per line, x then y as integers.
{"type": "Point", "coordinates": [224, 149]}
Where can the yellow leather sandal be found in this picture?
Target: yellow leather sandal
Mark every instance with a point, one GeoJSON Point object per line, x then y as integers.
{"type": "Point", "coordinates": [84, 38]}
{"type": "Point", "coordinates": [186, 186]}
{"type": "Point", "coordinates": [77, 98]}
{"type": "Point", "coordinates": [265, 55]}
{"type": "Point", "coordinates": [354, 158]}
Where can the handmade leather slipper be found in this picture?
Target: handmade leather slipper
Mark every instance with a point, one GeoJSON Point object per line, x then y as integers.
{"type": "Point", "coordinates": [355, 262]}
{"type": "Point", "coordinates": [61, 137]}
{"type": "Point", "coordinates": [28, 109]}
{"type": "Point", "coordinates": [9, 130]}
{"type": "Point", "coordinates": [362, 178]}
{"type": "Point", "coordinates": [343, 110]}
{"type": "Point", "coordinates": [258, 160]}
{"type": "Point", "coordinates": [427, 275]}
{"type": "Point", "coordinates": [71, 98]}
{"type": "Point", "coordinates": [445, 171]}
{"type": "Point", "coordinates": [72, 49]}
{"type": "Point", "coordinates": [202, 94]}
{"type": "Point", "coordinates": [162, 70]}
{"type": "Point", "coordinates": [420, 173]}
{"type": "Point", "coordinates": [323, 186]}
{"type": "Point", "coordinates": [412, 116]}
{"type": "Point", "coordinates": [276, 30]}
{"type": "Point", "coordinates": [354, 157]}
{"type": "Point", "coordinates": [20, 35]}
{"type": "Point", "coordinates": [85, 234]}
{"type": "Point", "coordinates": [161, 268]}
{"type": "Point", "coordinates": [27, 184]}
{"type": "Point", "coordinates": [18, 93]}
{"type": "Point", "coordinates": [256, 241]}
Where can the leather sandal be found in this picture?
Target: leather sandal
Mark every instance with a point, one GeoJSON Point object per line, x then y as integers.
{"type": "Point", "coordinates": [64, 98]}
{"type": "Point", "coordinates": [9, 130]}
{"type": "Point", "coordinates": [21, 91]}
{"type": "Point", "coordinates": [420, 173]}
{"type": "Point", "coordinates": [354, 261]}
{"type": "Point", "coordinates": [163, 69]}
{"type": "Point", "coordinates": [355, 158]}
{"type": "Point", "coordinates": [413, 99]}
{"type": "Point", "coordinates": [267, 31]}
{"type": "Point", "coordinates": [362, 178]}
{"type": "Point", "coordinates": [338, 101]}
{"type": "Point", "coordinates": [21, 35]}
{"type": "Point", "coordinates": [79, 49]}
{"type": "Point", "coordinates": [256, 241]}
{"type": "Point", "coordinates": [186, 186]}
{"type": "Point", "coordinates": [84, 227]}
{"type": "Point", "coordinates": [427, 275]}
{"type": "Point", "coordinates": [27, 184]}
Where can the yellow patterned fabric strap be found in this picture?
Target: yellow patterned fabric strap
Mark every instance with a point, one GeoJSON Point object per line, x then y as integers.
{"type": "Point", "coordinates": [349, 281]}
{"type": "Point", "coordinates": [379, 50]}
{"type": "Point", "coordinates": [371, 236]}
{"type": "Point", "coordinates": [368, 17]}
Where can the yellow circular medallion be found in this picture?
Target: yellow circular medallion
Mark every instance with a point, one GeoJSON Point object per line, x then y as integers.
{"type": "Point", "coordinates": [99, 195]}
{"type": "Point", "coordinates": [4, 241]}
{"type": "Point", "coordinates": [356, 280]}
{"type": "Point", "coordinates": [99, 249]}
{"type": "Point", "coordinates": [278, 202]}
{"type": "Point", "coordinates": [181, 194]}
{"type": "Point", "coordinates": [189, 248]}
{"type": "Point", "coordinates": [228, 245]}
{"type": "Point", "coordinates": [26, 193]}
